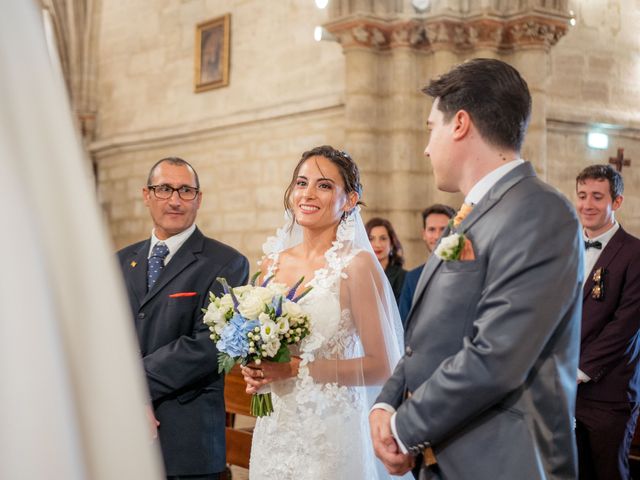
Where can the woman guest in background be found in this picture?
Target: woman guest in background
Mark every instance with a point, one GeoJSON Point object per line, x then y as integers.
{"type": "Point", "coordinates": [388, 249]}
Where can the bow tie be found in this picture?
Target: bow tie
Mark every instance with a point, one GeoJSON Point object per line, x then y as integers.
{"type": "Point", "coordinates": [589, 244]}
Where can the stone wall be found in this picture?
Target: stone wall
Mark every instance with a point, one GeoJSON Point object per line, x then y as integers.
{"type": "Point", "coordinates": [285, 95]}
{"type": "Point", "coordinates": [595, 86]}
{"type": "Point", "coordinates": [362, 93]}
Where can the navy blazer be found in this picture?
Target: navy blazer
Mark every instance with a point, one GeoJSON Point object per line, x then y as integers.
{"type": "Point", "coordinates": [408, 290]}
{"type": "Point", "coordinates": [610, 346]}
{"type": "Point", "coordinates": [180, 361]}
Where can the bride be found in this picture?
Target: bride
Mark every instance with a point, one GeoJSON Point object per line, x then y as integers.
{"type": "Point", "coordinates": [321, 398]}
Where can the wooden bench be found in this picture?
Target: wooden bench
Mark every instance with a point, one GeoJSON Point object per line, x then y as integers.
{"type": "Point", "coordinates": [237, 402]}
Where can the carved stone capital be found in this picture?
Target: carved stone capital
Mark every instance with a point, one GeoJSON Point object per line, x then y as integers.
{"type": "Point", "coordinates": [451, 32]}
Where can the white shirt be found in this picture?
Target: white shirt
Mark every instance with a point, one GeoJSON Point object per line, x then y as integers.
{"type": "Point", "coordinates": [173, 243]}
{"type": "Point", "coordinates": [481, 188]}
{"type": "Point", "coordinates": [476, 193]}
{"type": "Point", "coordinates": [591, 256]}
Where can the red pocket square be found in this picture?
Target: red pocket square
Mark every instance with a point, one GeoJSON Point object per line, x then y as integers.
{"type": "Point", "coordinates": [183, 294]}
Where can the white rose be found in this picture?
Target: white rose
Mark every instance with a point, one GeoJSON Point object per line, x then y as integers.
{"type": "Point", "coordinates": [243, 289]}
{"type": "Point", "coordinates": [268, 331]}
{"type": "Point", "coordinates": [225, 302]}
{"type": "Point", "coordinates": [291, 308]}
{"type": "Point", "coordinates": [213, 315]}
{"type": "Point", "coordinates": [447, 246]}
{"type": "Point", "coordinates": [272, 347]}
{"type": "Point", "coordinates": [251, 307]}
{"type": "Point", "coordinates": [278, 288]}
{"type": "Point", "coordinates": [266, 294]}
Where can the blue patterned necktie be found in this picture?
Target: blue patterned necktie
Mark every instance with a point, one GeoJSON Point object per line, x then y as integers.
{"type": "Point", "coordinates": [156, 263]}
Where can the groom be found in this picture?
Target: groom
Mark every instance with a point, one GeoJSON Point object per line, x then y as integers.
{"type": "Point", "coordinates": [486, 388]}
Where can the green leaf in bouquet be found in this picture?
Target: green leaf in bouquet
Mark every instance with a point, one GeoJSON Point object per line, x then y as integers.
{"type": "Point", "coordinates": [254, 278]}
{"type": "Point", "coordinates": [299, 297]}
{"type": "Point", "coordinates": [283, 355]}
{"type": "Point", "coordinates": [225, 362]}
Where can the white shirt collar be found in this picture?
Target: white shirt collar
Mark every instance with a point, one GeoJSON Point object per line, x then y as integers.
{"type": "Point", "coordinates": [480, 189]}
{"type": "Point", "coordinates": [173, 243]}
{"type": "Point", "coordinates": [603, 237]}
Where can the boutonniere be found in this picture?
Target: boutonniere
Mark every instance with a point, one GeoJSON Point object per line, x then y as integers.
{"type": "Point", "coordinates": [450, 247]}
{"type": "Point", "coordinates": [455, 246]}
{"type": "Point", "coordinates": [597, 292]}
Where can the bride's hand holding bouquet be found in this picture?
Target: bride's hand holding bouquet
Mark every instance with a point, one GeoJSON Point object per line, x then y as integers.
{"type": "Point", "coordinates": [254, 326]}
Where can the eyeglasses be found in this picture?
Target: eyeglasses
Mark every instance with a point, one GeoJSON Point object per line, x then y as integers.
{"type": "Point", "coordinates": [164, 192]}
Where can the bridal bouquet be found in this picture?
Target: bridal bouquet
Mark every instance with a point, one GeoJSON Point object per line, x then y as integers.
{"type": "Point", "coordinates": [254, 323]}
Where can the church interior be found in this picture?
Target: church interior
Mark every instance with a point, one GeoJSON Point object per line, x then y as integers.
{"type": "Point", "coordinates": [240, 88]}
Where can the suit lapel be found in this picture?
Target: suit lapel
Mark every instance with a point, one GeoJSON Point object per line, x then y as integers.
{"type": "Point", "coordinates": [137, 271]}
{"type": "Point", "coordinates": [610, 251]}
{"type": "Point", "coordinates": [492, 197]}
{"type": "Point", "coordinates": [184, 257]}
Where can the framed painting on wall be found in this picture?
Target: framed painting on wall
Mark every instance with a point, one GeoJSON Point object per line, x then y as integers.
{"type": "Point", "coordinates": [212, 53]}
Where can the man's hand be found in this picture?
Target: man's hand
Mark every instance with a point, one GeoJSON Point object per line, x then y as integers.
{"type": "Point", "coordinates": [153, 422]}
{"type": "Point", "coordinates": [385, 445]}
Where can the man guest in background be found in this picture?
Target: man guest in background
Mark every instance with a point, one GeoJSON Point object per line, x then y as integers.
{"type": "Point", "coordinates": [434, 220]}
{"type": "Point", "coordinates": [486, 388]}
{"type": "Point", "coordinates": [168, 278]}
{"type": "Point", "coordinates": [607, 404]}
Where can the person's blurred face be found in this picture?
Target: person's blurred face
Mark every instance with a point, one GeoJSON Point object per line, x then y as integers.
{"type": "Point", "coordinates": [595, 206]}
{"type": "Point", "coordinates": [318, 198]}
{"type": "Point", "coordinates": [172, 215]}
{"type": "Point", "coordinates": [381, 243]}
{"type": "Point", "coordinates": [434, 226]}
{"type": "Point", "coordinates": [438, 151]}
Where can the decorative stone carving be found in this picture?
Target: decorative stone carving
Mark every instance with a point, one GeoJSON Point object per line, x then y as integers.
{"type": "Point", "coordinates": [458, 34]}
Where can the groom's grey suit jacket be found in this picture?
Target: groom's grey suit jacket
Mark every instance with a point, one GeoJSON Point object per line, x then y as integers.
{"type": "Point", "coordinates": [492, 344]}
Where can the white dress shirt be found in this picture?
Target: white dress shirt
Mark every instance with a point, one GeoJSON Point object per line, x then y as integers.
{"type": "Point", "coordinates": [474, 196]}
{"type": "Point", "coordinates": [173, 243]}
{"type": "Point", "coordinates": [591, 256]}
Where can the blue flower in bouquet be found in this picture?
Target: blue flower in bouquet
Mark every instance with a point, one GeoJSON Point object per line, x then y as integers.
{"type": "Point", "coordinates": [233, 339]}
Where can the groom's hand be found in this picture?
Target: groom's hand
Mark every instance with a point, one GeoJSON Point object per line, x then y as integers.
{"type": "Point", "coordinates": [385, 445]}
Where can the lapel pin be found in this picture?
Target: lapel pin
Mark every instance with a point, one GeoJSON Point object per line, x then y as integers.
{"type": "Point", "coordinates": [133, 263]}
{"type": "Point", "coordinates": [597, 292]}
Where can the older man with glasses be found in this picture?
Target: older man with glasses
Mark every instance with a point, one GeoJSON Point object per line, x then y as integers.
{"type": "Point", "coordinates": [168, 278]}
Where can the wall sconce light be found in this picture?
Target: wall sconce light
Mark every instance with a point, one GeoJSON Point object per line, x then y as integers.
{"type": "Point", "coordinates": [321, 33]}
{"type": "Point", "coordinates": [322, 3]}
{"type": "Point", "coordinates": [598, 140]}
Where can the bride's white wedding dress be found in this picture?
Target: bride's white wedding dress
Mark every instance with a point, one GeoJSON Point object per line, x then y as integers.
{"type": "Point", "coordinates": [319, 427]}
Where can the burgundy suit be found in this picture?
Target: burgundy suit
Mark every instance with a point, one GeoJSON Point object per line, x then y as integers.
{"type": "Point", "coordinates": [607, 405]}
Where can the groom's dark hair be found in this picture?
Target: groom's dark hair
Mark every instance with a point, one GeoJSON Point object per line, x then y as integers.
{"type": "Point", "coordinates": [494, 95]}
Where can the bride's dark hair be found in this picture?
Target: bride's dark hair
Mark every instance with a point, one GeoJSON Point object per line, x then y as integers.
{"type": "Point", "coordinates": [347, 167]}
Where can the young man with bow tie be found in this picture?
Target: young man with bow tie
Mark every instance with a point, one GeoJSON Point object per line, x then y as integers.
{"type": "Point", "coordinates": [168, 279]}
{"type": "Point", "coordinates": [608, 375]}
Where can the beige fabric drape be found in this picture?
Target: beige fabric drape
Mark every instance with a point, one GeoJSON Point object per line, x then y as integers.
{"type": "Point", "coordinates": [72, 395]}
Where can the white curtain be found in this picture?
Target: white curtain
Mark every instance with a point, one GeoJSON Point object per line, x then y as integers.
{"type": "Point", "coordinates": [72, 392]}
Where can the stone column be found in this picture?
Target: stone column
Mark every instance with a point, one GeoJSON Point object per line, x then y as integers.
{"type": "Point", "coordinates": [389, 57]}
